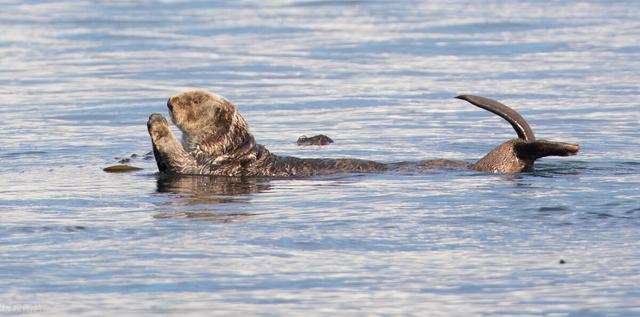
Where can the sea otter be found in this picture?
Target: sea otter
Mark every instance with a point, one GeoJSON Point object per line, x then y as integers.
{"type": "Point", "coordinates": [216, 141]}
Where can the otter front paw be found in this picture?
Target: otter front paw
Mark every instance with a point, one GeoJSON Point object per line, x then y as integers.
{"type": "Point", "coordinates": [158, 127]}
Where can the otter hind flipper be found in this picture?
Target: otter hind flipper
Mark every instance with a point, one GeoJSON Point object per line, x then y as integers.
{"type": "Point", "coordinates": [542, 148]}
{"type": "Point", "coordinates": [518, 123]}
{"type": "Point", "coordinates": [516, 155]}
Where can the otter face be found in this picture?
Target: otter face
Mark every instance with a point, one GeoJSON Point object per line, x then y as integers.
{"type": "Point", "coordinates": [210, 125]}
{"type": "Point", "coordinates": [200, 112]}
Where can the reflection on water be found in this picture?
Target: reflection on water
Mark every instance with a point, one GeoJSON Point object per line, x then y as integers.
{"type": "Point", "coordinates": [205, 216]}
{"type": "Point", "coordinates": [197, 185]}
{"type": "Point", "coordinates": [207, 192]}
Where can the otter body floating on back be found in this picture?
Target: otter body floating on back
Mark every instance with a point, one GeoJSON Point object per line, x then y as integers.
{"type": "Point", "coordinates": [216, 141]}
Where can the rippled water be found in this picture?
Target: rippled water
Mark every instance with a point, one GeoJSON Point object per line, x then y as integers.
{"type": "Point", "coordinates": [78, 80]}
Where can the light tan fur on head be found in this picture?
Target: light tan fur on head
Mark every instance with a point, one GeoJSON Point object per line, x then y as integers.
{"type": "Point", "coordinates": [211, 125]}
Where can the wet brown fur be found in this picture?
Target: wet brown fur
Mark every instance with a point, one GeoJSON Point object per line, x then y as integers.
{"type": "Point", "coordinates": [216, 141]}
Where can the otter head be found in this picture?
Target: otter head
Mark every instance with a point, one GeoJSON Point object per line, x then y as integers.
{"type": "Point", "coordinates": [516, 155]}
{"type": "Point", "coordinates": [211, 126]}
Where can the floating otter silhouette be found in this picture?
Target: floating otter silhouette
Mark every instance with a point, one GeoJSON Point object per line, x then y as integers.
{"type": "Point", "coordinates": [216, 141]}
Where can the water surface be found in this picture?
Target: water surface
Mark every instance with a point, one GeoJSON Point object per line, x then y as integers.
{"type": "Point", "coordinates": [78, 80]}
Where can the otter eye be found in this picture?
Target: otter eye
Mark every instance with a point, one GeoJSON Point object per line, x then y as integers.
{"type": "Point", "coordinates": [196, 101]}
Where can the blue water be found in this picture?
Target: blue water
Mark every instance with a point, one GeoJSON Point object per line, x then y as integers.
{"type": "Point", "coordinates": [78, 80]}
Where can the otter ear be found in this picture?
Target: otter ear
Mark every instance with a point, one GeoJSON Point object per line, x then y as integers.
{"type": "Point", "coordinates": [541, 148]}
{"type": "Point", "coordinates": [223, 118]}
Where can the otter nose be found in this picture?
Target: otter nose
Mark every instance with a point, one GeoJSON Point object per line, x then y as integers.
{"type": "Point", "coordinates": [169, 104]}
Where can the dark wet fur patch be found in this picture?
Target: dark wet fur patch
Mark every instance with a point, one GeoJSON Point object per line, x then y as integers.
{"type": "Point", "coordinates": [224, 119]}
{"type": "Point", "coordinates": [319, 139]}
